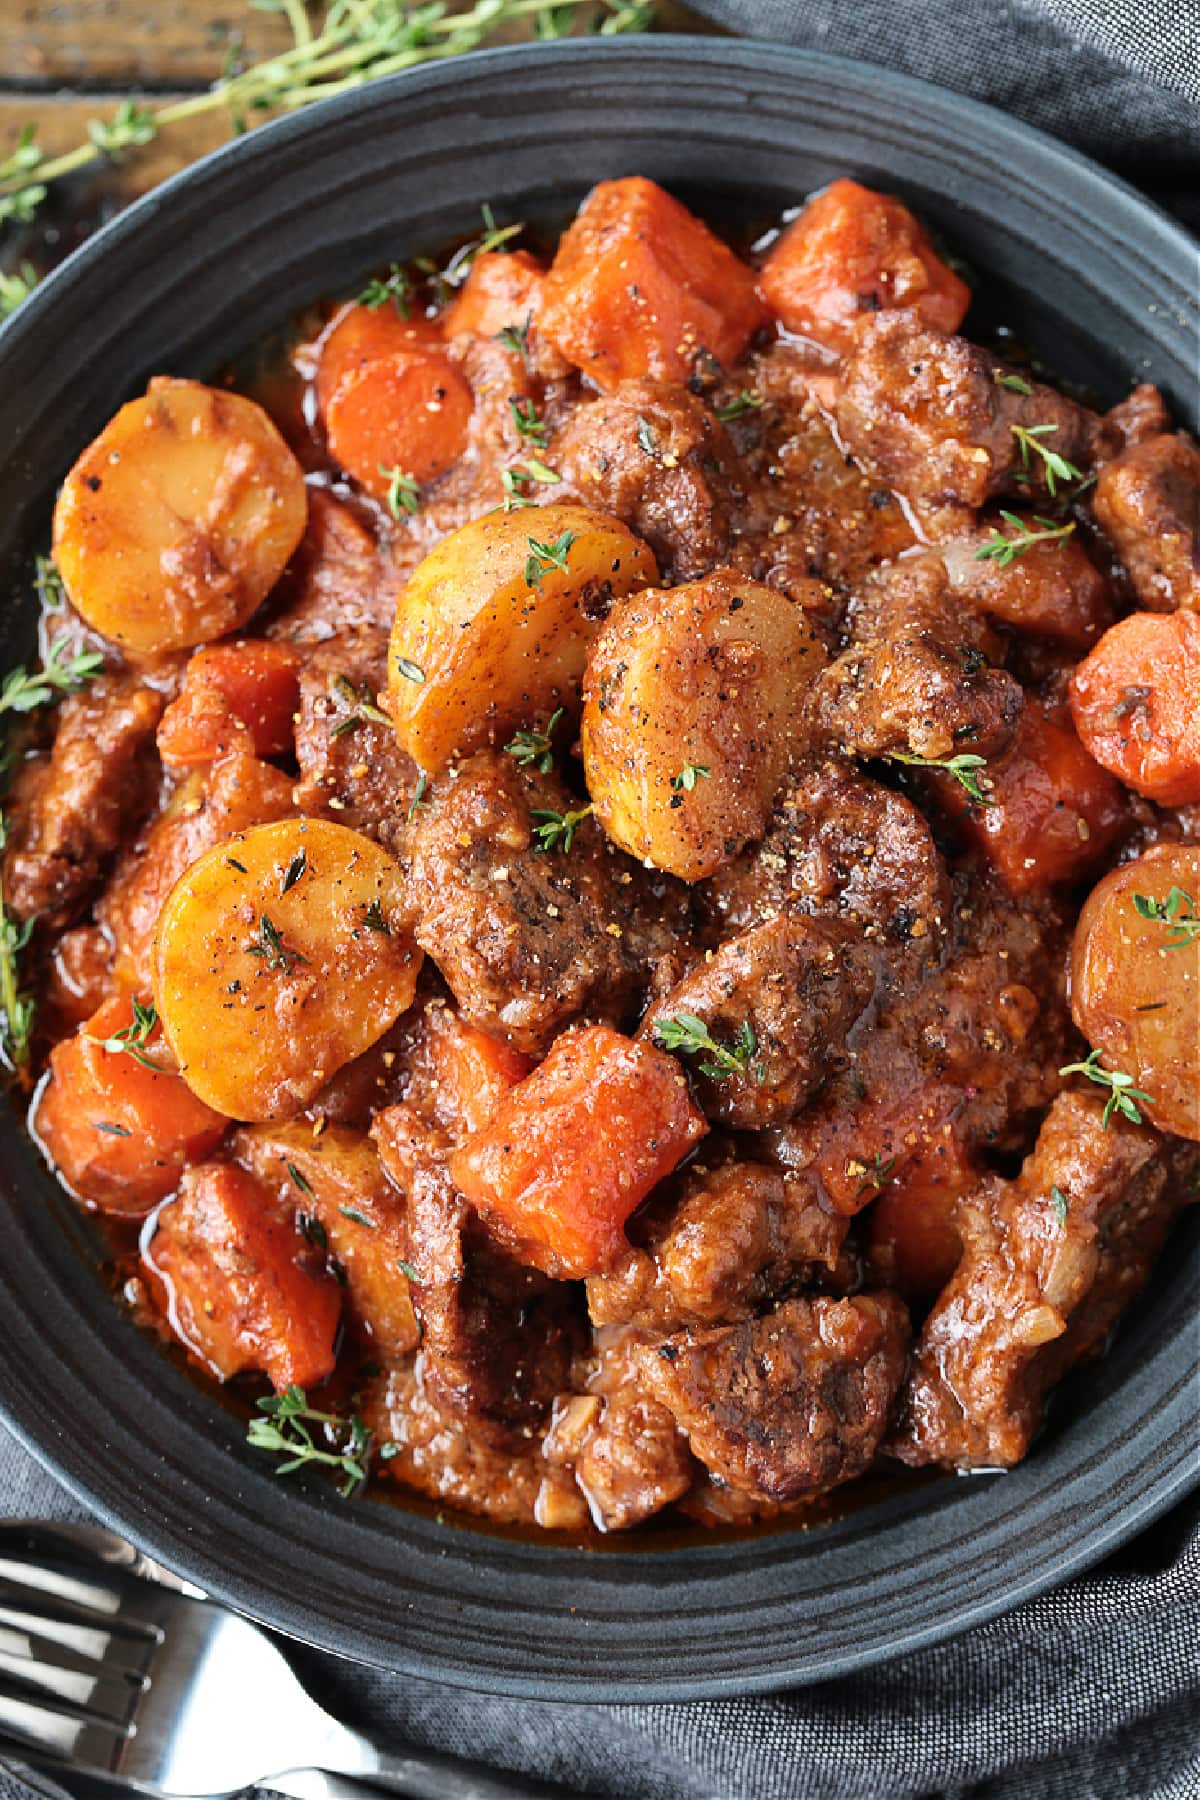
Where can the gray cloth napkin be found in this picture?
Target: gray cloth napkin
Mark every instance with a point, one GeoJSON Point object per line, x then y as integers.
{"type": "Point", "coordinates": [1093, 1691]}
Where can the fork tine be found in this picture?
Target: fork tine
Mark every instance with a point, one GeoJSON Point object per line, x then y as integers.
{"type": "Point", "coordinates": [51, 1731]}
{"type": "Point", "coordinates": [87, 1641]}
{"type": "Point", "coordinates": [50, 1590]}
{"type": "Point", "coordinates": [109, 1696]}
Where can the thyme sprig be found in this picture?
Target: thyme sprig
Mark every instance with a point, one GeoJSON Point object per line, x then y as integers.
{"type": "Point", "coordinates": [64, 670]}
{"type": "Point", "coordinates": [1057, 468]}
{"type": "Point", "coordinates": [688, 776]}
{"type": "Point", "coordinates": [285, 1430]}
{"type": "Point", "coordinates": [1122, 1094]}
{"type": "Point", "coordinates": [543, 557]}
{"type": "Point", "coordinates": [395, 286]}
{"type": "Point", "coordinates": [555, 830]}
{"type": "Point", "coordinates": [133, 1038]}
{"type": "Point", "coordinates": [353, 42]}
{"type": "Point", "coordinates": [1177, 912]}
{"type": "Point", "coordinates": [1003, 549]}
{"type": "Point", "coordinates": [272, 949]}
{"type": "Point", "coordinates": [688, 1035]}
{"type": "Point", "coordinates": [535, 744]}
{"type": "Point", "coordinates": [16, 1008]}
{"type": "Point", "coordinates": [748, 400]}
{"type": "Point", "coordinates": [403, 493]}
{"type": "Point", "coordinates": [357, 708]}
{"type": "Point", "coordinates": [962, 767]}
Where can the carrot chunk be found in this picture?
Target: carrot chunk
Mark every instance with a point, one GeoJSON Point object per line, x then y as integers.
{"type": "Point", "coordinates": [410, 411]}
{"type": "Point", "coordinates": [471, 1072]}
{"type": "Point", "coordinates": [244, 1290]}
{"type": "Point", "coordinates": [639, 286]}
{"type": "Point", "coordinates": [914, 1242]}
{"type": "Point", "coordinates": [503, 289]}
{"type": "Point", "coordinates": [360, 335]}
{"type": "Point", "coordinates": [118, 1132]}
{"type": "Point", "coordinates": [1053, 812]}
{"type": "Point", "coordinates": [576, 1146]}
{"type": "Point", "coordinates": [234, 696]}
{"type": "Point", "coordinates": [1136, 704]}
{"type": "Point", "coordinates": [854, 251]}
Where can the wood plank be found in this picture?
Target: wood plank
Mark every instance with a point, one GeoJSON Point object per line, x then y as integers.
{"type": "Point", "coordinates": [155, 43]}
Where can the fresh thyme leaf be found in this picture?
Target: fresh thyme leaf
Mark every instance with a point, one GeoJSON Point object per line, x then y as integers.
{"type": "Point", "coordinates": [387, 1451]}
{"type": "Point", "coordinates": [535, 744]}
{"type": "Point", "coordinates": [355, 706]}
{"type": "Point", "coordinates": [516, 480]}
{"type": "Point", "coordinates": [411, 671]}
{"type": "Point", "coordinates": [545, 557]}
{"type": "Point", "coordinates": [1056, 467]}
{"type": "Point", "coordinates": [17, 1010]}
{"type": "Point", "coordinates": [1177, 912]}
{"type": "Point", "coordinates": [404, 494]}
{"type": "Point", "coordinates": [130, 127]}
{"type": "Point", "coordinates": [356, 1217]}
{"type": "Point", "coordinates": [556, 831]}
{"type": "Point", "coordinates": [1017, 384]}
{"type": "Point", "coordinates": [963, 768]}
{"type": "Point", "coordinates": [418, 798]}
{"type": "Point", "coordinates": [63, 671]}
{"type": "Point", "coordinates": [16, 288]}
{"type": "Point", "coordinates": [690, 1036]}
{"type": "Point", "coordinates": [526, 418]}
{"type": "Point", "coordinates": [1122, 1093]}
{"type": "Point", "coordinates": [132, 1038]}
{"type": "Point", "coordinates": [49, 584]}
{"type": "Point", "coordinates": [747, 401]}
{"type": "Point", "coordinates": [295, 870]}
{"type": "Point", "coordinates": [374, 920]}
{"type": "Point", "coordinates": [297, 1175]}
{"type": "Point", "coordinates": [1059, 1202]}
{"type": "Point", "coordinates": [272, 949]}
{"type": "Point", "coordinates": [232, 862]}
{"type": "Point", "coordinates": [394, 286]}
{"type": "Point", "coordinates": [312, 1228]}
{"type": "Point", "coordinates": [1003, 549]}
{"type": "Point", "coordinates": [688, 776]}
{"type": "Point", "coordinates": [286, 1430]}
{"type": "Point", "coordinates": [877, 1176]}
{"type": "Point", "coordinates": [516, 337]}
{"type": "Point", "coordinates": [647, 437]}
{"type": "Point", "coordinates": [112, 1130]}
{"type": "Point", "coordinates": [407, 1269]}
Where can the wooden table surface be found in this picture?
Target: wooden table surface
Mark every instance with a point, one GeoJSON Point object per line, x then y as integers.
{"type": "Point", "coordinates": [66, 62]}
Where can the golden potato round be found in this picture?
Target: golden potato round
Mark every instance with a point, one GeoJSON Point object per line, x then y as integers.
{"type": "Point", "coordinates": [281, 954]}
{"type": "Point", "coordinates": [693, 701]}
{"type": "Point", "coordinates": [176, 522]}
{"type": "Point", "coordinates": [1135, 980]}
{"type": "Point", "coordinates": [492, 629]}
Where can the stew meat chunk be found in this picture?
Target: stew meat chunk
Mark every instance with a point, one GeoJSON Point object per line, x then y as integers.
{"type": "Point", "coordinates": [620, 923]}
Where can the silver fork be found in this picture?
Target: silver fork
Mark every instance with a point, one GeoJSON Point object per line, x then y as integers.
{"type": "Point", "coordinates": [110, 1665]}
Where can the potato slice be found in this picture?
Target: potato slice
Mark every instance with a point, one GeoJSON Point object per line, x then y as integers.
{"type": "Point", "coordinates": [1135, 981]}
{"type": "Point", "coordinates": [693, 705]}
{"type": "Point", "coordinates": [281, 954]}
{"type": "Point", "coordinates": [176, 521]}
{"type": "Point", "coordinates": [492, 629]}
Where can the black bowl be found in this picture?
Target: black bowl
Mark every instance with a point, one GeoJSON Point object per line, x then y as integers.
{"type": "Point", "coordinates": [1103, 287]}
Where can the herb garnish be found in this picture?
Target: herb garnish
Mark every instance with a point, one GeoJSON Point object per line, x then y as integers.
{"type": "Point", "coordinates": [395, 286]}
{"type": "Point", "coordinates": [544, 557]}
{"type": "Point", "coordinates": [1058, 1201]}
{"type": "Point", "coordinates": [295, 870]}
{"type": "Point", "coordinates": [411, 671]}
{"type": "Point", "coordinates": [688, 776]}
{"type": "Point", "coordinates": [284, 1431]}
{"type": "Point", "coordinates": [108, 1126]}
{"type": "Point", "coordinates": [647, 437]}
{"type": "Point", "coordinates": [374, 920]}
{"type": "Point", "coordinates": [132, 1038]}
{"type": "Point", "coordinates": [16, 288]}
{"type": "Point", "coordinates": [535, 744]}
{"type": "Point", "coordinates": [356, 1217]}
{"type": "Point", "coordinates": [1177, 912]}
{"type": "Point", "coordinates": [514, 481]}
{"type": "Point", "coordinates": [63, 671]}
{"type": "Point", "coordinates": [877, 1176]}
{"type": "Point", "coordinates": [418, 798]}
{"type": "Point", "coordinates": [746, 401]}
{"type": "Point", "coordinates": [1003, 550]}
{"type": "Point", "coordinates": [303, 1183]}
{"type": "Point", "coordinates": [404, 494]}
{"type": "Point", "coordinates": [962, 767]}
{"type": "Point", "coordinates": [17, 1008]}
{"type": "Point", "coordinates": [557, 830]}
{"type": "Point", "coordinates": [407, 1270]}
{"type": "Point", "coordinates": [688, 1034]}
{"type": "Point", "coordinates": [1122, 1094]}
{"type": "Point", "coordinates": [358, 707]}
{"type": "Point", "coordinates": [1017, 384]}
{"type": "Point", "coordinates": [527, 420]}
{"type": "Point", "coordinates": [272, 949]}
{"type": "Point", "coordinates": [1057, 468]}
{"type": "Point", "coordinates": [516, 337]}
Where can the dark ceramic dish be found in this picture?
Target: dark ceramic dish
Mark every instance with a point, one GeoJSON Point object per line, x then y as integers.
{"type": "Point", "coordinates": [1104, 288]}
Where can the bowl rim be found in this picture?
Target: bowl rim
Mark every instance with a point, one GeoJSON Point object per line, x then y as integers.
{"type": "Point", "coordinates": [37, 1434]}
